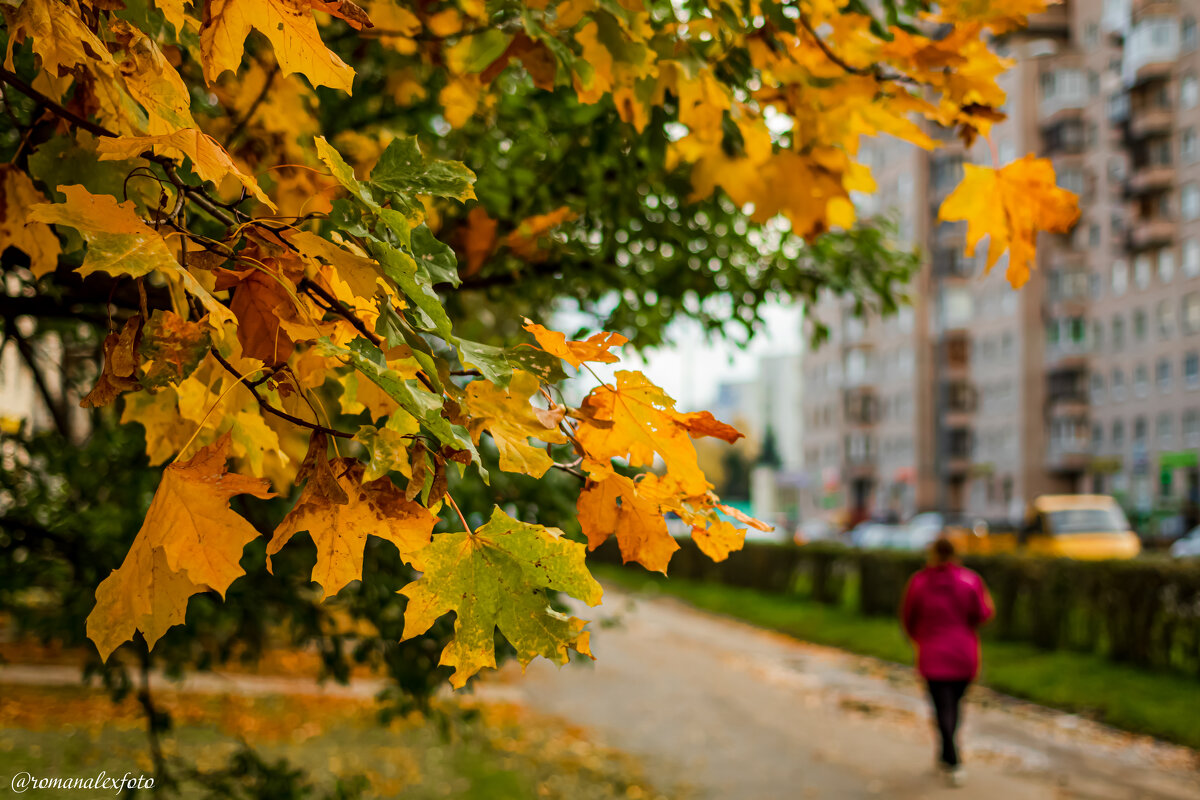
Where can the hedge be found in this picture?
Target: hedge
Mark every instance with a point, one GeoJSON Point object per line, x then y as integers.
{"type": "Point", "coordinates": [1144, 612]}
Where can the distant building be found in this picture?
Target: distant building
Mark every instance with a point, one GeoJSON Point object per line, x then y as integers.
{"type": "Point", "coordinates": [1087, 379]}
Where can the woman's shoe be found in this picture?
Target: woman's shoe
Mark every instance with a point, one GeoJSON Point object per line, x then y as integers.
{"type": "Point", "coordinates": [956, 776]}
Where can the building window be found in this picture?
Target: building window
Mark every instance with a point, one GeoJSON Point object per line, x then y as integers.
{"type": "Point", "coordinates": [1071, 179]}
{"type": "Point", "coordinates": [1166, 318]}
{"type": "Point", "coordinates": [1118, 434]}
{"type": "Point", "coordinates": [1187, 33]}
{"type": "Point", "coordinates": [1166, 265]}
{"type": "Point", "coordinates": [1191, 428]}
{"type": "Point", "coordinates": [1189, 201]}
{"type": "Point", "coordinates": [1162, 375]}
{"type": "Point", "coordinates": [1141, 430]}
{"type": "Point", "coordinates": [1191, 258]}
{"type": "Point", "coordinates": [1141, 264]}
{"type": "Point", "coordinates": [1164, 426]}
{"type": "Point", "coordinates": [1139, 326]}
{"type": "Point", "coordinates": [1117, 385]}
{"type": "Point", "coordinates": [1120, 276]}
{"type": "Point", "coordinates": [1097, 336]}
{"type": "Point", "coordinates": [1189, 91]}
{"type": "Point", "coordinates": [1093, 235]}
{"type": "Point", "coordinates": [1141, 381]}
{"type": "Point", "coordinates": [1191, 370]}
{"type": "Point", "coordinates": [1187, 145]}
{"type": "Point", "coordinates": [1118, 332]}
{"type": "Point", "coordinates": [1191, 312]}
{"type": "Point", "coordinates": [1097, 388]}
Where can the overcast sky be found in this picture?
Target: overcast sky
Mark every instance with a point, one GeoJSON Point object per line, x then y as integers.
{"type": "Point", "coordinates": [690, 369]}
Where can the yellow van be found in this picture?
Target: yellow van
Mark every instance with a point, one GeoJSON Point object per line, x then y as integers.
{"type": "Point", "coordinates": [1083, 526]}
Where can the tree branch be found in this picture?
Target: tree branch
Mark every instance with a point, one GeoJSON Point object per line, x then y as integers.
{"type": "Point", "coordinates": [270, 409]}
{"type": "Point", "coordinates": [337, 308]}
{"type": "Point", "coordinates": [59, 110]}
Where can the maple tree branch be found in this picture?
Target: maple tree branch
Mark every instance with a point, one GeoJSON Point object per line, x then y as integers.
{"type": "Point", "coordinates": [270, 409]}
{"type": "Point", "coordinates": [336, 307]}
{"type": "Point", "coordinates": [194, 193]}
{"type": "Point", "coordinates": [59, 110]}
{"type": "Point", "coordinates": [874, 70]}
{"type": "Point", "coordinates": [570, 470]}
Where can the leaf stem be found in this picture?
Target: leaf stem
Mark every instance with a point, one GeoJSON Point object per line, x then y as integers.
{"type": "Point", "coordinates": [466, 527]}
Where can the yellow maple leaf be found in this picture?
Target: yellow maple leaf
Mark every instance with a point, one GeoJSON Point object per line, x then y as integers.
{"type": "Point", "coordinates": [190, 541]}
{"type": "Point", "coordinates": [119, 243]}
{"type": "Point", "coordinates": [152, 81]}
{"type": "Point", "coordinates": [291, 29]}
{"type": "Point", "coordinates": [614, 506]}
{"type": "Point", "coordinates": [209, 159]}
{"type": "Point", "coordinates": [511, 420]}
{"type": "Point", "coordinates": [60, 36]}
{"type": "Point", "coordinates": [719, 539]}
{"type": "Point", "coordinates": [637, 420]}
{"type": "Point", "coordinates": [595, 348]}
{"type": "Point", "coordinates": [17, 229]}
{"type": "Point", "coordinates": [340, 529]}
{"type": "Point", "coordinates": [1011, 205]}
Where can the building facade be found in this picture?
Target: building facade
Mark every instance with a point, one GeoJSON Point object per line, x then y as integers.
{"type": "Point", "coordinates": [1088, 378]}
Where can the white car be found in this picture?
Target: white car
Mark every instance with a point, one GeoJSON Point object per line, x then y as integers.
{"type": "Point", "coordinates": [1187, 546]}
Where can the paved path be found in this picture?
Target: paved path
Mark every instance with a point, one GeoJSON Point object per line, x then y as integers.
{"type": "Point", "coordinates": [729, 711]}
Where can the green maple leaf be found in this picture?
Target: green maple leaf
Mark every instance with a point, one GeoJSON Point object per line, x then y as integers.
{"type": "Point", "coordinates": [497, 577]}
{"type": "Point", "coordinates": [403, 170]}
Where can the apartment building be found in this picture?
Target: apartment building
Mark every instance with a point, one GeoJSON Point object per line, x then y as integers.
{"type": "Point", "coordinates": [1088, 378]}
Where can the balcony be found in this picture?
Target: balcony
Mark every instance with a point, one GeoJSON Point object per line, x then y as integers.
{"type": "Point", "coordinates": [1068, 404]}
{"type": "Point", "coordinates": [1054, 21]}
{"type": "Point", "coordinates": [1150, 121]}
{"type": "Point", "coordinates": [1068, 455]}
{"type": "Point", "coordinates": [1066, 356]}
{"type": "Point", "coordinates": [1055, 109]}
{"type": "Point", "coordinates": [861, 406]}
{"type": "Point", "coordinates": [1150, 233]}
{"type": "Point", "coordinates": [1150, 179]}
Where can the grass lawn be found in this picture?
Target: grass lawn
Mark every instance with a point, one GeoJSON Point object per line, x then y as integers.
{"type": "Point", "coordinates": [1157, 703]}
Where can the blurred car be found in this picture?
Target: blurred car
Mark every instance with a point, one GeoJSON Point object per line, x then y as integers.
{"type": "Point", "coordinates": [1187, 546]}
{"type": "Point", "coordinates": [914, 538]}
{"type": "Point", "coordinates": [874, 535]}
{"type": "Point", "coordinates": [815, 530]}
{"type": "Point", "coordinates": [1084, 526]}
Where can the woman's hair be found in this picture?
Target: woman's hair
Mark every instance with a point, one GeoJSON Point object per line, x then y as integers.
{"type": "Point", "coordinates": [943, 550]}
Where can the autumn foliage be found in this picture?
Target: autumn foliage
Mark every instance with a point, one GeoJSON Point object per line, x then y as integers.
{"type": "Point", "coordinates": [287, 282]}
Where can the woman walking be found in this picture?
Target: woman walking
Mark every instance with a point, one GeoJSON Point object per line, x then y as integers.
{"type": "Point", "coordinates": [944, 605]}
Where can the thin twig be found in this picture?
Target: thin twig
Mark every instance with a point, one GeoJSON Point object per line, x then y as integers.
{"type": "Point", "coordinates": [873, 70]}
{"type": "Point", "coordinates": [258, 100]}
{"type": "Point", "coordinates": [336, 307]}
{"type": "Point", "coordinates": [270, 409]}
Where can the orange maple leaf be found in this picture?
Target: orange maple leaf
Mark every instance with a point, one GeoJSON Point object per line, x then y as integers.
{"type": "Point", "coordinates": [1011, 205]}
{"type": "Point", "coordinates": [596, 348]}
{"type": "Point", "coordinates": [190, 541]}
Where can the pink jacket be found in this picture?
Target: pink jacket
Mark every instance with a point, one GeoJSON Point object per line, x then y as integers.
{"type": "Point", "coordinates": [943, 607]}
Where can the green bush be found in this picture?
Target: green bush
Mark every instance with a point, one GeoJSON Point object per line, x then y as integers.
{"type": "Point", "coordinates": [1144, 612]}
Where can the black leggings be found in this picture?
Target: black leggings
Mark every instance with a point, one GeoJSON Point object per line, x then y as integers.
{"type": "Point", "coordinates": [946, 696]}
